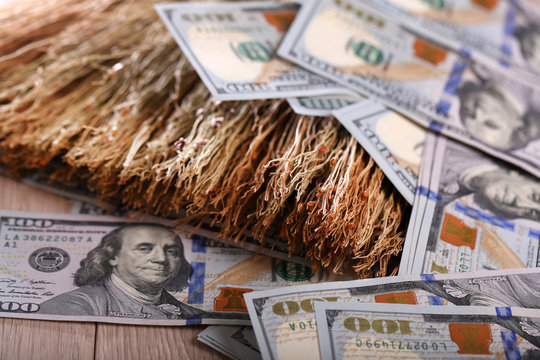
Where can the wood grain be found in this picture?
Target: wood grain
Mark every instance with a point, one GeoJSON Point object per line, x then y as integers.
{"type": "Point", "coordinates": [144, 342]}
{"type": "Point", "coordinates": [17, 196]}
{"type": "Point", "coordinates": [33, 339]}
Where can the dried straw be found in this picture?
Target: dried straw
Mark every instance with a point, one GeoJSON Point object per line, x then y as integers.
{"type": "Point", "coordinates": [97, 92]}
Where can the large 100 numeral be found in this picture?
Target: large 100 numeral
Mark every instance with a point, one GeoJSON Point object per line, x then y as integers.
{"type": "Point", "coordinates": [12, 306]}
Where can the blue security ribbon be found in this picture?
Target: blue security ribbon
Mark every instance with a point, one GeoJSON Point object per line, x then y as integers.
{"type": "Point", "coordinates": [452, 84]}
{"type": "Point", "coordinates": [484, 216]}
{"type": "Point", "coordinates": [435, 300]}
{"type": "Point", "coordinates": [431, 195]}
{"type": "Point", "coordinates": [199, 243]}
{"type": "Point", "coordinates": [534, 233]}
{"type": "Point", "coordinates": [509, 28]}
{"type": "Point", "coordinates": [504, 312]}
{"type": "Point", "coordinates": [427, 277]}
{"type": "Point", "coordinates": [510, 345]}
{"type": "Point", "coordinates": [196, 288]}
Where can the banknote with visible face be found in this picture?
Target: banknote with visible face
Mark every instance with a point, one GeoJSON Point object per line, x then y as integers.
{"type": "Point", "coordinates": [391, 331]}
{"type": "Point", "coordinates": [232, 47]}
{"type": "Point", "coordinates": [284, 319]}
{"type": "Point", "coordinates": [474, 213]}
{"type": "Point", "coordinates": [505, 31]}
{"type": "Point", "coordinates": [453, 92]}
{"type": "Point", "coordinates": [134, 271]}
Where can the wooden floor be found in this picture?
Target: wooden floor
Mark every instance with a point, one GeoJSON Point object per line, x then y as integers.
{"type": "Point", "coordinates": [32, 339]}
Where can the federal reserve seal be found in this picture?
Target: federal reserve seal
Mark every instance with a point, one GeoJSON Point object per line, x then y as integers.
{"type": "Point", "coordinates": [49, 259]}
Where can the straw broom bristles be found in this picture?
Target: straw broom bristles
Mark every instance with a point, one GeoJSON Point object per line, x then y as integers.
{"type": "Point", "coordinates": [113, 100]}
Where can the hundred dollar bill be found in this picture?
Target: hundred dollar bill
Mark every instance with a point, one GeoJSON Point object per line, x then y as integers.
{"type": "Point", "coordinates": [274, 248]}
{"type": "Point", "coordinates": [476, 102]}
{"type": "Point", "coordinates": [284, 320]}
{"type": "Point", "coordinates": [277, 248]}
{"type": "Point", "coordinates": [322, 105]}
{"type": "Point", "coordinates": [503, 30]}
{"type": "Point", "coordinates": [85, 202]}
{"type": "Point", "coordinates": [417, 214]}
{"type": "Point", "coordinates": [394, 142]}
{"type": "Point", "coordinates": [232, 47]}
{"type": "Point", "coordinates": [114, 269]}
{"type": "Point", "coordinates": [415, 222]}
{"type": "Point", "coordinates": [235, 342]}
{"type": "Point", "coordinates": [375, 331]}
{"type": "Point", "coordinates": [475, 213]}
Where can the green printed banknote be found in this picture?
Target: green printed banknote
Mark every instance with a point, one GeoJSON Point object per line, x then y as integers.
{"type": "Point", "coordinates": [377, 54]}
{"type": "Point", "coordinates": [232, 47]}
{"type": "Point", "coordinates": [134, 271]}
{"type": "Point", "coordinates": [503, 30]}
{"type": "Point", "coordinates": [391, 331]}
{"type": "Point", "coordinates": [284, 319]}
{"type": "Point", "coordinates": [471, 213]}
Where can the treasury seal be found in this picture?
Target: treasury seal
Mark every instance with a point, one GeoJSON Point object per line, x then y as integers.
{"type": "Point", "coordinates": [49, 259]}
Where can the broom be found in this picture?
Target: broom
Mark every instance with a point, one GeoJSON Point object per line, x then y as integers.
{"type": "Point", "coordinates": [96, 92]}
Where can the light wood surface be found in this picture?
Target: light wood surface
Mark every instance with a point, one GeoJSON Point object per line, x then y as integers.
{"type": "Point", "coordinates": [33, 339]}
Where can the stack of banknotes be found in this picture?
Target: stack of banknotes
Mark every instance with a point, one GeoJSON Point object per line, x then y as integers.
{"type": "Point", "coordinates": [444, 96]}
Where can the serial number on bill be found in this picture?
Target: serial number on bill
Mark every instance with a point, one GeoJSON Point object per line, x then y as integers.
{"type": "Point", "coordinates": [47, 238]}
{"type": "Point", "coordinates": [400, 345]}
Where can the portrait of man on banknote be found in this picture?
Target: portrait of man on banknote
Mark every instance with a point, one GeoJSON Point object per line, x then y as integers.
{"type": "Point", "coordinates": [128, 275]}
{"type": "Point", "coordinates": [501, 189]}
{"type": "Point", "coordinates": [528, 37]}
{"type": "Point", "coordinates": [498, 291]}
{"type": "Point", "coordinates": [504, 192]}
{"type": "Point", "coordinates": [495, 117]}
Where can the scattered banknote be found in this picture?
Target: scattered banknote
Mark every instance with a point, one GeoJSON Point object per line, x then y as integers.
{"type": "Point", "coordinates": [375, 331]}
{"type": "Point", "coordinates": [284, 321]}
{"type": "Point", "coordinates": [472, 213]}
{"type": "Point", "coordinates": [477, 102]}
{"type": "Point", "coordinates": [232, 47]}
{"type": "Point", "coordinates": [235, 342]}
{"type": "Point", "coordinates": [415, 221]}
{"type": "Point", "coordinates": [114, 269]}
{"type": "Point", "coordinates": [393, 141]}
{"type": "Point", "coordinates": [506, 31]}
{"type": "Point", "coordinates": [275, 248]}
{"type": "Point", "coordinates": [85, 202]}
{"type": "Point", "coordinates": [322, 105]}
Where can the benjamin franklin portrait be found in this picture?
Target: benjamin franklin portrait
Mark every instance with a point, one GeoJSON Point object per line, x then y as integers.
{"type": "Point", "coordinates": [503, 190]}
{"type": "Point", "coordinates": [514, 290]}
{"type": "Point", "coordinates": [495, 117]}
{"type": "Point", "coordinates": [129, 274]}
{"type": "Point", "coordinates": [528, 36]}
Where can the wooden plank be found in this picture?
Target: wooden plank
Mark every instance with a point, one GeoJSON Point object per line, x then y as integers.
{"type": "Point", "coordinates": [17, 196]}
{"type": "Point", "coordinates": [145, 342]}
{"type": "Point", "coordinates": [33, 339]}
